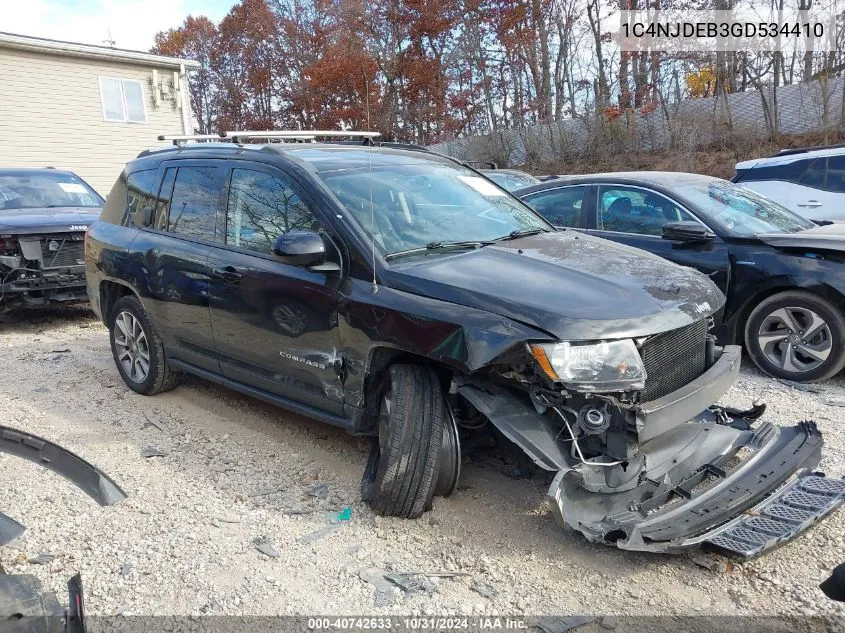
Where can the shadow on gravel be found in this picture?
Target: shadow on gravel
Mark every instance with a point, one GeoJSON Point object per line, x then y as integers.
{"type": "Point", "coordinates": [28, 318]}
{"type": "Point", "coordinates": [500, 500]}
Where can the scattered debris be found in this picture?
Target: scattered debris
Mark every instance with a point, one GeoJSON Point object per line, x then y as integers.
{"type": "Point", "coordinates": [125, 569]}
{"type": "Point", "coordinates": [318, 534]}
{"type": "Point", "coordinates": [152, 420]}
{"type": "Point", "coordinates": [61, 351]}
{"type": "Point", "coordinates": [262, 544]}
{"type": "Point", "coordinates": [835, 402]}
{"type": "Point", "coordinates": [442, 574]}
{"type": "Point", "coordinates": [385, 591]}
{"type": "Point", "coordinates": [345, 514]}
{"type": "Point", "coordinates": [152, 451]}
{"type": "Point", "coordinates": [411, 583]}
{"type": "Point", "coordinates": [42, 559]}
{"type": "Point", "coordinates": [561, 624]}
{"type": "Point", "coordinates": [713, 563]}
{"type": "Point", "coordinates": [484, 588]}
{"type": "Point", "coordinates": [320, 491]}
{"type": "Point", "coordinates": [609, 622]}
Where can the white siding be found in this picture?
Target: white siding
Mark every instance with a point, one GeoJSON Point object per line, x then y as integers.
{"type": "Point", "coordinates": [51, 115]}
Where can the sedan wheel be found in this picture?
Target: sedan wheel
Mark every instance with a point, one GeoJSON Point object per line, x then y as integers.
{"type": "Point", "coordinates": [133, 351]}
{"type": "Point", "coordinates": [796, 339]}
{"type": "Point", "coordinates": [796, 335]}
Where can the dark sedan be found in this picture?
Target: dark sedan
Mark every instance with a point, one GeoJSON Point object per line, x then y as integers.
{"type": "Point", "coordinates": [784, 276]}
{"type": "Point", "coordinates": [44, 214]}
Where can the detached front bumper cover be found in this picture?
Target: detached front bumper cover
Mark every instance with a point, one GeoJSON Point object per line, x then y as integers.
{"type": "Point", "coordinates": [741, 507]}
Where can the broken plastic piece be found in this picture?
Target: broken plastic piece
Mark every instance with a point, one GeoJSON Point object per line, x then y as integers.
{"type": "Point", "coordinates": [345, 514]}
{"type": "Point", "coordinates": [85, 476]}
{"type": "Point", "coordinates": [262, 544]}
{"type": "Point", "coordinates": [411, 583]}
{"type": "Point", "coordinates": [385, 591]}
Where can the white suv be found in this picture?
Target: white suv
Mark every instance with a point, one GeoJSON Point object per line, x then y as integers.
{"type": "Point", "coordinates": [808, 181]}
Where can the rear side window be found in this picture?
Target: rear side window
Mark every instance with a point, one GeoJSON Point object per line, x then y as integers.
{"type": "Point", "coordinates": [814, 176]}
{"type": "Point", "coordinates": [261, 208]}
{"type": "Point", "coordinates": [561, 207]}
{"type": "Point", "coordinates": [836, 174]}
{"type": "Point", "coordinates": [788, 172]}
{"type": "Point", "coordinates": [193, 204]}
{"type": "Point", "coordinates": [139, 195]}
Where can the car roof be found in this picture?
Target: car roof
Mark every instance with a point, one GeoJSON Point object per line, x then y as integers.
{"type": "Point", "coordinates": [790, 156]}
{"type": "Point", "coordinates": [665, 179]}
{"type": "Point", "coordinates": [320, 157]}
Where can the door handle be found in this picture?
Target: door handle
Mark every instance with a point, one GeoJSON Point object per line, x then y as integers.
{"type": "Point", "coordinates": [810, 203]}
{"type": "Point", "coordinates": [228, 273]}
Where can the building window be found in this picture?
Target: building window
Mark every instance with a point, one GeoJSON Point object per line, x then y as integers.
{"type": "Point", "coordinates": [123, 100]}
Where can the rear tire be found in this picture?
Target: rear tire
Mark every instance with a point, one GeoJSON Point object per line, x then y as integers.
{"type": "Point", "coordinates": [796, 335]}
{"type": "Point", "coordinates": [137, 349]}
{"type": "Point", "coordinates": [404, 462]}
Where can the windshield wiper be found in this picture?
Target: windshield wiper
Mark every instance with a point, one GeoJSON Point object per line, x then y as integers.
{"type": "Point", "coordinates": [520, 233]}
{"type": "Point", "coordinates": [438, 246]}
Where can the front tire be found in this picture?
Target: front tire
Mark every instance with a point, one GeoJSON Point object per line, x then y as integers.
{"type": "Point", "coordinates": [796, 335]}
{"type": "Point", "coordinates": [404, 464]}
{"type": "Point", "coordinates": [137, 349]}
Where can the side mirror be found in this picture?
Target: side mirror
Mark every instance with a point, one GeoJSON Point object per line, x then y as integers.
{"type": "Point", "coordinates": [687, 231]}
{"type": "Point", "coordinates": [300, 248]}
{"type": "Point", "coordinates": [143, 216]}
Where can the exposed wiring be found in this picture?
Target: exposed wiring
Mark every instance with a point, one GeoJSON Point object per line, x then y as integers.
{"type": "Point", "coordinates": [575, 441]}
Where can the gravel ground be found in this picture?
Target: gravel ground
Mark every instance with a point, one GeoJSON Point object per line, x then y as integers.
{"type": "Point", "coordinates": [236, 470]}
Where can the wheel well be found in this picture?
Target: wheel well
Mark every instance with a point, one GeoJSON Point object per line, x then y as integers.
{"type": "Point", "coordinates": [380, 361]}
{"type": "Point", "coordinates": [745, 310]}
{"type": "Point", "coordinates": [110, 292]}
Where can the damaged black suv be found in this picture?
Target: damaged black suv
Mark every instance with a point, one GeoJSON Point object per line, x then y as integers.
{"type": "Point", "coordinates": [401, 295]}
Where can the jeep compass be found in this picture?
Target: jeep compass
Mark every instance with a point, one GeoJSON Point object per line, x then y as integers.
{"type": "Point", "coordinates": [401, 295]}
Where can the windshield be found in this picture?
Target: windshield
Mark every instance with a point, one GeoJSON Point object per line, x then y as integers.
{"type": "Point", "coordinates": [739, 210]}
{"type": "Point", "coordinates": [511, 182]}
{"type": "Point", "coordinates": [32, 190]}
{"type": "Point", "coordinates": [414, 206]}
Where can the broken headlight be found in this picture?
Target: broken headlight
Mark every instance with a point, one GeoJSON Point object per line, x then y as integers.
{"type": "Point", "coordinates": [605, 366]}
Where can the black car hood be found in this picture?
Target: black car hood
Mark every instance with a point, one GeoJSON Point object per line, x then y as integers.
{"type": "Point", "coordinates": [571, 285]}
{"type": "Point", "coordinates": [830, 237]}
{"type": "Point", "coordinates": [41, 220]}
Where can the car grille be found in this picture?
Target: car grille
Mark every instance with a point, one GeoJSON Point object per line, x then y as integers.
{"type": "Point", "coordinates": [69, 253]}
{"type": "Point", "coordinates": [673, 359]}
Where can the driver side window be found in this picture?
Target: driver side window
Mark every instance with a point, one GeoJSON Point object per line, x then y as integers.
{"type": "Point", "coordinates": [634, 210]}
{"type": "Point", "coordinates": [261, 207]}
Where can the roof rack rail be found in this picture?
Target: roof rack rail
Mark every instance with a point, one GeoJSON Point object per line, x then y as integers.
{"type": "Point", "coordinates": [179, 139]}
{"type": "Point", "coordinates": [236, 136]}
{"type": "Point", "coordinates": [804, 150]}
